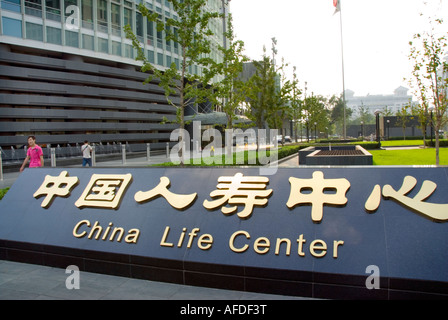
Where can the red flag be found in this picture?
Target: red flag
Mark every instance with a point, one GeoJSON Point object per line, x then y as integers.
{"type": "Point", "coordinates": [337, 5]}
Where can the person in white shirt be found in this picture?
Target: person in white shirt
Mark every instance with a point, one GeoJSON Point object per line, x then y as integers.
{"type": "Point", "coordinates": [86, 154]}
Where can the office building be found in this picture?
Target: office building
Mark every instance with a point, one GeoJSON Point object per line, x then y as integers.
{"type": "Point", "coordinates": [68, 72]}
{"type": "Point", "coordinates": [372, 102]}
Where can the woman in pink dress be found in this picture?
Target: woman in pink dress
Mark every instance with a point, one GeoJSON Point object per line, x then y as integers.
{"type": "Point", "coordinates": [34, 154]}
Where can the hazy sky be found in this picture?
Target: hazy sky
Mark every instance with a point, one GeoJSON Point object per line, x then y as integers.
{"type": "Point", "coordinates": [376, 35]}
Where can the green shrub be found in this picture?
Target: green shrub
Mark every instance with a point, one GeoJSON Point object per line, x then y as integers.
{"type": "Point", "coordinates": [3, 192]}
{"type": "Point", "coordinates": [442, 143]}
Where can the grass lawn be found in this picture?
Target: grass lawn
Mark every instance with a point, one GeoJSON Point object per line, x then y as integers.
{"type": "Point", "coordinates": [409, 157]}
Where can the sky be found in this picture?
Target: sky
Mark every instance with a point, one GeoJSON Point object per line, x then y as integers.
{"type": "Point", "coordinates": [375, 37]}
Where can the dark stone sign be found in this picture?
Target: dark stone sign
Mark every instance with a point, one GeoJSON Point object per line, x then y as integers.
{"type": "Point", "coordinates": [339, 232]}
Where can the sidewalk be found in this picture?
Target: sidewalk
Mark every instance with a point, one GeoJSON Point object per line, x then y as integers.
{"type": "Point", "coordinates": [21, 281]}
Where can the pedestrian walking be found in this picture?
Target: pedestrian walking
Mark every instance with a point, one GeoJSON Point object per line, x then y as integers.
{"type": "Point", "coordinates": [34, 155]}
{"type": "Point", "coordinates": [86, 154]}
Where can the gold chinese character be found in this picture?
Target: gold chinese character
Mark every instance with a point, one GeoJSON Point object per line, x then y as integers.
{"type": "Point", "coordinates": [176, 200]}
{"type": "Point", "coordinates": [55, 186]}
{"type": "Point", "coordinates": [104, 191]}
{"type": "Point", "coordinates": [435, 211]}
{"type": "Point", "coordinates": [317, 197]}
{"type": "Point", "coordinates": [248, 191]}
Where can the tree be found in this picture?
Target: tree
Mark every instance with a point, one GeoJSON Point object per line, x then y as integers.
{"type": "Point", "coordinates": [422, 114]}
{"type": "Point", "coordinates": [403, 118]}
{"type": "Point", "coordinates": [364, 115]}
{"type": "Point", "coordinates": [279, 108]}
{"type": "Point", "coordinates": [337, 112]}
{"type": "Point", "coordinates": [429, 74]}
{"type": "Point", "coordinates": [229, 93]}
{"type": "Point", "coordinates": [317, 115]}
{"type": "Point", "coordinates": [191, 31]}
{"type": "Point", "coordinates": [261, 90]}
{"type": "Point", "coordinates": [387, 112]}
{"type": "Point", "coordinates": [295, 102]}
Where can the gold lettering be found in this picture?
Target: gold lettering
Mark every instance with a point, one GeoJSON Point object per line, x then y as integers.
{"type": "Point", "coordinates": [318, 198]}
{"type": "Point", "coordinates": [75, 229]}
{"type": "Point", "coordinates": [132, 236]}
{"type": "Point", "coordinates": [104, 191]}
{"type": "Point", "coordinates": [107, 231]}
{"type": "Point", "coordinates": [301, 241]}
{"type": "Point", "coordinates": [114, 232]}
{"type": "Point", "coordinates": [96, 227]}
{"type": "Point", "coordinates": [288, 246]}
{"type": "Point", "coordinates": [263, 243]}
{"type": "Point", "coordinates": [181, 238]}
{"type": "Point", "coordinates": [96, 232]}
{"type": "Point", "coordinates": [163, 242]}
{"type": "Point", "coordinates": [336, 244]}
{"type": "Point", "coordinates": [318, 245]}
{"type": "Point", "coordinates": [247, 191]}
{"type": "Point", "coordinates": [205, 242]}
{"type": "Point", "coordinates": [192, 234]}
{"type": "Point", "coordinates": [232, 240]}
{"type": "Point", "coordinates": [178, 201]}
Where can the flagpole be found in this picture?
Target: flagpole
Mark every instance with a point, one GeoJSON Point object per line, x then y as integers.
{"type": "Point", "coordinates": [344, 129]}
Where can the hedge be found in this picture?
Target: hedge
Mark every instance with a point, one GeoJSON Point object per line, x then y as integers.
{"type": "Point", "coordinates": [3, 192]}
{"type": "Point", "coordinates": [442, 143]}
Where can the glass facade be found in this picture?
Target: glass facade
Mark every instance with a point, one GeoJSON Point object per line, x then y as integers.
{"type": "Point", "coordinates": [97, 25]}
{"type": "Point", "coordinates": [12, 27]}
{"type": "Point", "coordinates": [54, 35]}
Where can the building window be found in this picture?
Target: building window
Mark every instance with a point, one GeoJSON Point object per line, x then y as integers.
{"type": "Point", "coordinates": [116, 22]}
{"type": "Point", "coordinates": [54, 35]}
{"type": "Point", "coordinates": [175, 43]}
{"type": "Point", "coordinates": [53, 10]}
{"type": "Point", "coordinates": [103, 45]}
{"type": "Point", "coordinates": [102, 16]}
{"type": "Point", "coordinates": [160, 36]}
{"type": "Point", "coordinates": [34, 31]}
{"type": "Point", "coordinates": [71, 39]}
{"type": "Point", "coordinates": [168, 61]}
{"type": "Point", "coordinates": [139, 24]}
{"type": "Point", "coordinates": [150, 33]}
{"type": "Point", "coordinates": [128, 51]}
{"type": "Point", "coordinates": [160, 59]}
{"type": "Point", "coordinates": [33, 8]}
{"type": "Point", "coordinates": [12, 27]}
{"type": "Point", "coordinates": [88, 42]}
{"type": "Point", "coordinates": [167, 42]}
{"type": "Point", "coordinates": [11, 5]}
{"type": "Point", "coordinates": [151, 56]}
{"type": "Point", "coordinates": [128, 17]}
{"type": "Point", "coordinates": [116, 48]}
{"type": "Point", "coordinates": [87, 14]}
